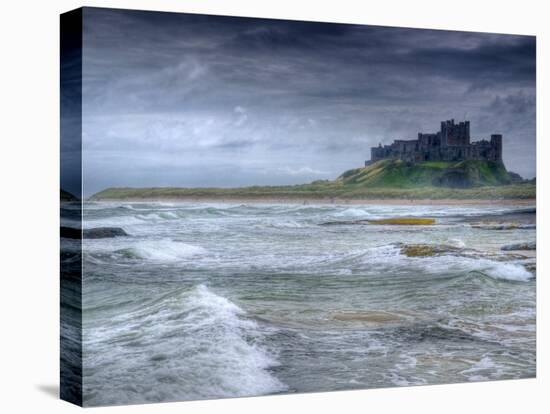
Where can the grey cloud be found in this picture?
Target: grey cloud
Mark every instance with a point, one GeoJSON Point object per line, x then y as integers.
{"type": "Point", "coordinates": [281, 96]}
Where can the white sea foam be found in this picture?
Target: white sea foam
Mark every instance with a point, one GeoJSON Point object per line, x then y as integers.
{"type": "Point", "coordinates": [491, 268]}
{"type": "Point", "coordinates": [163, 250]}
{"type": "Point", "coordinates": [508, 271]}
{"type": "Point", "coordinates": [198, 345]}
{"type": "Point", "coordinates": [457, 243]}
{"type": "Point", "coordinates": [484, 366]}
{"type": "Point", "coordinates": [352, 212]}
{"type": "Point", "coordinates": [168, 215]}
{"type": "Point", "coordinates": [112, 221]}
{"type": "Point", "coordinates": [283, 224]}
{"type": "Point", "coordinates": [389, 255]}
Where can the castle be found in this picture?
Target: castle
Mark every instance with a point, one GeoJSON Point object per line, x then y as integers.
{"type": "Point", "coordinates": [451, 143]}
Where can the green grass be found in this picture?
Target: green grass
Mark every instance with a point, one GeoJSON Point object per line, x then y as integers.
{"type": "Point", "coordinates": [323, 193]}
{"type": "Point", "coordinates": [400, 174]}
{"type": "Point", "coordinates": [436, 164]}
{"type": "Point", "coordinates": [386, 179]}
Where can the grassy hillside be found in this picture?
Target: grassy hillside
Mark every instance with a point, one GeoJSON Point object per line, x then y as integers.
{"type": "Point", "coordinates": [399, 174]}
{"type": "Point", "coordinates": [387, 179]}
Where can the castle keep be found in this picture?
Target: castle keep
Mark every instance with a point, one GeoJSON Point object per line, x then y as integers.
{"type": "Point", "coordinates": [451, 143]}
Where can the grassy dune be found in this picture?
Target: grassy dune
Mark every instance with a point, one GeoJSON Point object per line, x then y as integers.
{"type": "Point", "coordinates": [382, 180]}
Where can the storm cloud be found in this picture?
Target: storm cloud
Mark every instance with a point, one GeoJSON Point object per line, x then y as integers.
{"type": "Point", "coordinates": [192, 100]}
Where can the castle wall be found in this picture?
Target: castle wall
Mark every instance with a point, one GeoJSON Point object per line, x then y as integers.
{"type": "Point", "coordinates": [451, 143]}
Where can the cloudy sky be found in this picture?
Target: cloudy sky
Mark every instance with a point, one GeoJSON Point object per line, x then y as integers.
{"type": "Point", "coordinates": [191, 100]}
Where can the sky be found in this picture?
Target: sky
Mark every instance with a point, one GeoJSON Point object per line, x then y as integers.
{"type": "Point", "coordinates": [190, 100]}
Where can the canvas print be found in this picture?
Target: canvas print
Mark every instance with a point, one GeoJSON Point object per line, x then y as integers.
{"type": "Point", "coordinates": [257, 206]}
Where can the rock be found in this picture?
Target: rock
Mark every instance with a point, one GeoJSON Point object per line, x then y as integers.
{"type": "Point", "coordinates": [69, 232]}
{"type": "Point", "coordinates": [343, 222]}
{"type": "Point", "coordinates": [503, 226]}
{"type": "Point", "coordinates": [404, 221]}
{"type": "Point", "coordinates": [426, 250]}
{"type": "Point", "coordinates": [95, 233]}
{"type": "Point", "coordinates": [531, 267]}
{"type": "Point", "coordinates": [520, 246]}
{"type": "Point", "coordinates": [522, 218]}
{"type": "Point", "coordinates": [103, 233]}
{"type": "Point", "coordinates": [374, 317]}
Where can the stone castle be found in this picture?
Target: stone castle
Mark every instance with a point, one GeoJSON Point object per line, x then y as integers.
{"type": "Point", "coordinates": [451, 143]}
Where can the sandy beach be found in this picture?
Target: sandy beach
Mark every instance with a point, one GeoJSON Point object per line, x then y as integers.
{"type": "Point", "coordinates": [337, 201]}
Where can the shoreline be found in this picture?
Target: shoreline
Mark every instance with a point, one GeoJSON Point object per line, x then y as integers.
{"type": "Point", "coordinates": [316, 201]}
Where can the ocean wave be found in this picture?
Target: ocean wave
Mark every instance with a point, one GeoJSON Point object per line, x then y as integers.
{"type": "Point", "coordinates": [352, 212]}
{"type": "Point", "coordinates": [455, 242]}
{"type": "Point", "coordinates": [119, 221]}
{"type": "Point", "coordinates": [389, 257]}
{"type": "Point", "coordinates": [159, 216]}
{"type": "Point", "coordinates": [461, 266]}
{"type": "Point", "coordinates": [160, 250]}
{"type": "Point", "coordinates": [507, 271]}
{"type": "Point", "coordinates": [196, 343]}
{"type": "Point", "coordinates": [282, 224]}
{"type": "Point", "coordinates": [482, 370]}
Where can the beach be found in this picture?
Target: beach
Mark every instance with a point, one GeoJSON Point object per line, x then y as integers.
{"type": "Point", "coordinates": [325, 201]}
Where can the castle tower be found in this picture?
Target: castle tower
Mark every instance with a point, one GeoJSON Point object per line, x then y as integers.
{"type": "Point", "coordinates": [466, 132]}
{"type": "Point", "coordinates": [496, 144]}
{"type": "Point", "coordinates": [455, 134]}
{"type": "Point", "coordinates": [445, 126]}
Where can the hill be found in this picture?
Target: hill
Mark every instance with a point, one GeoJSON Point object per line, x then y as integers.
{"type": "Point", "coordinates": [385, 179]}
{"type": "Point", "coordinates": [400, 174]}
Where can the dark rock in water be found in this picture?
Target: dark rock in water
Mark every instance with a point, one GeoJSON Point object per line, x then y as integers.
{"type": "Point", "coordinates": [523, 218]}
{"type": "Point", "coordinates": [531, 267]}
{"type": "Point", "coordinates": [520, 246]}
{"type": "Point", "coordinates": [433, 332]}
{"type": "Point", "coordinates": [426, 250]}
{"type": "Point", "coordinates": [343, 222]}
{"type": "Point", "coordinates": [103, 233]}
{"type": "Point", "coordinates": [95, 233]}
{"type": "Point", "coordinates": [70, 233]}
{"type": "Point", "coordinates": [504, 226]}
{"type": "Point", "coordinates": [404, 221]}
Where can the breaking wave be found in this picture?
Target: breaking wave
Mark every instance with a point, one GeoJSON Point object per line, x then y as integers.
{"type": "Point", "coordinates": [196, 343]}
{"type": "Point", "coordinates": [161, 251]}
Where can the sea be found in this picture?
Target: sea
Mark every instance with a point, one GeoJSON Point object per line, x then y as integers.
{"type": "Point", "coordinates": [213, 300]}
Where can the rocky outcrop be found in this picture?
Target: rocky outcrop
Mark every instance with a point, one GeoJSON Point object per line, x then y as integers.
{"type": "Point", "coordinates": [94, 233]}
{"type": "Point", "coordinates": [402, 221]}
{"type": "Point", "coordinates": [70, 233]}
{"type": "Point", "coordinates": [504, 226]}
{"type": "Point", "coordinates": [425, 250]}
{"type": "Point", "coordinates": [520, 246]}
{"type": "Point", "coordinates": [367, 316]}
{"type": "Point", "coordinates": [405, 221]}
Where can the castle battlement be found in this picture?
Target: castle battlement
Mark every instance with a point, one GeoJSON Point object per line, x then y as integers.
{"type": "Point", "coordinates": [450, 143]}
